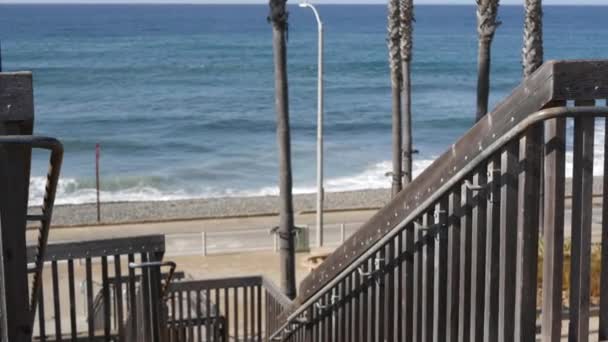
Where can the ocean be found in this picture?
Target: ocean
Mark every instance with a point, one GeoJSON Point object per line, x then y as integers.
{"type": "Point", "coordinates": [180, 97]}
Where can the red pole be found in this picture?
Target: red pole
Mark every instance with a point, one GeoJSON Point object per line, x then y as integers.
{"type": "Point", "coordinates": [97, 152]}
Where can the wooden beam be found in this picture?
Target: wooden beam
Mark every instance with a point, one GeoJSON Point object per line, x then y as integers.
{"type": "Point", "coordinates": [97, 248]}
{"type": "Point", "coordinates": [16, 118]}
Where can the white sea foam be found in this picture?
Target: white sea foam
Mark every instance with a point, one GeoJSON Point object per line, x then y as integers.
{"type": "Point", "coordinates": [70, 191]}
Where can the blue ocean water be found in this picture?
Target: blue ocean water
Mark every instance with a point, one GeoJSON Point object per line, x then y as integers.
{"type": "Point", "coordinates": [180, 97]}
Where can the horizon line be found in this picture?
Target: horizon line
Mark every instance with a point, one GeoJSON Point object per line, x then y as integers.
{"type": "Point", "coordinates": [219, 2]}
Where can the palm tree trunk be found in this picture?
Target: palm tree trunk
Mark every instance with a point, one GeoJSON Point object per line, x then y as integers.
{"type": "Point", "coordinates": [487, 11]}
{"type": "Point", "coordinates": [406, 16]}
{"type": "Point", "coordinates": [278, 18]}
{"type": "Point", "coordinates": [483, 78]}
{"type": "Point", "coordinates": [532, 52]}
{"type": "Point", "coordinates": [395, 66]}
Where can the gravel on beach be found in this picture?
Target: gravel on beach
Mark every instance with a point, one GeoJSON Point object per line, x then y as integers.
{"type": "Point", "coordinates": [152, 211]}
{"type": "Point", "coordinates": [206, 208]}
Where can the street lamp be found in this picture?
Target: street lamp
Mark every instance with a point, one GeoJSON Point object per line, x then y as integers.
{"type": "Point", "coordinates": [320, 191]}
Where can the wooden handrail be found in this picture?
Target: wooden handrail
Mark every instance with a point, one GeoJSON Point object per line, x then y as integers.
{"type": "Point", "coordinates": [97, 248]}
{"type": "Point", "coordinates": [531, 120]}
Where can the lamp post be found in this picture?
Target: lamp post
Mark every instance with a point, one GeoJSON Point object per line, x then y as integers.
{"type": "Point", "coordinates": [320, 191]}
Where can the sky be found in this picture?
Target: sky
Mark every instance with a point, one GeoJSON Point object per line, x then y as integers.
{"type": "Point", "coordinates": [420, 2]}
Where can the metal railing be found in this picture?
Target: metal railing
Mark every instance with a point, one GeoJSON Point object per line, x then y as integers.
{"type": "Point", "coordinates": [65, 313]}
{"type": "Point", "coordinates": [454, 256]}
{"type": "Point", "coordinates": [248, 240]}
{"type": "Point", "coordinates": [227, 309]}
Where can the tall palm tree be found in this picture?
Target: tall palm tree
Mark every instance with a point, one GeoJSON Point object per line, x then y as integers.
{"type": "Point", "coordinates": [406, 13]}
{"type": "Point", "coordinates": [394, 57]}
{"type": "Point", "coordinates": [278, 19]}
{"type": "Point", "coordinates": [532, 52]}
{"type": "Point", "coordinates": [487, 11]}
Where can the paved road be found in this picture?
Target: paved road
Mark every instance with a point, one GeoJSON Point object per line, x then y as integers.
{"type": "Point", "coordinates": [223, 235]}
{"type": "Point", "coordinates": [238, 235]}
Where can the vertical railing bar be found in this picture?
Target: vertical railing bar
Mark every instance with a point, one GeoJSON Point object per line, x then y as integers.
{"type": "Point", "coordinates": [145, 289]}
{"type": "Point", "coordinates": [217, 314]}
{"type": "Point", "coordinates": [603, 321]}
{"type": "Point", "coordinates": [373, 304]}
{"type": "Point", "coordinates": [259, 312]}
{"type": "Point", "coordinates": [158, 322]}
{"type": "Point", "coordinates": [399, 302]}
{"type": "Point", "coordinates": [41, 318]}
{"type": "Point", "coordinates": [527, 233]}
{"type": "Point", "coordinates": [492, 245]}
{"type": "Point", "coordinates": [408, 287]}
{"type": "Point", "coordinates": [330, 317]}
{"type": "Point", "coordinates": [582, 192]}
{"type": "Point", "coordinates": [390, 297]}
{"type": "Point", "coordinates": [453, 268]}
{"type": "Point", "coordinates": [339, 313]}
{"type": "Point", "coordinates": [478, 253]}
{"type": "Point", "coordinates": [72, 294]}
{"type": "Point", "coordinates": [132, 304]}
{"type": "Point", "coordinates": [173, 317]}
{"type": "Point", "coordinates": [227, 310]}
{"type": "Point", "coordinates": [199, 316]}
{"type": "Point", "coordinates": [358, 326]}
{"type": "Point", "coordinates": [553, 228]}
{"type": "Point", "coordinates": [189, 319]}
{"type": "Point", "coordinates": [245, 312]}
{"type": "Point", "coordinates": [508, 239]}
{"type": "Point", "coordinates": [381, 281]}
{"type": "Point", "coordinates": [235, 323]}
{"type": "Point", "coordinates": [465, 265]}
{"type": "Point", "coordinates": [118, 294]}
{"type": "Point", "coordinates": [349, 308]}
{"type": "Point", "coordinates": [208, 325]}
{"type": "Point", "coordinates": [90, 310]}
{"type": "Point", "coordinates": [429, 278]}
{"type": "Point", "coordinates": [418, 284]}
{"type": "Point", "coordinates": [344, 314]}
{"type": "Point", "coordinates": [56, 302]}
{"type": "Point", "coordinates": [440, 288]}
{"type": "Point", "coordinates": [180, 305]}
{"type": "Point", "coordinates": [252, 312]}
{"type": "Point", "coordinates": [106, 298]}
{"type": "Point", "coordinates": [365, 322]}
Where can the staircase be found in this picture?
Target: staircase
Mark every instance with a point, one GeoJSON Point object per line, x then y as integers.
{"type": "Point", "coordinates": [454, 257]}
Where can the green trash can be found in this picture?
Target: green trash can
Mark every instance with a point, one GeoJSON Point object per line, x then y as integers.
{"type": "Point", "coordinates": [302, 239]}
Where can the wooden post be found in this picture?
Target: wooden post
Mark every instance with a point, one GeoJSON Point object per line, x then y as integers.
{"type": "Point", "coordinates": [204, 242]}
{"type": "Point", "coordinates": [97, 154]}
{"type": "Point", "coordinates": [16, 118]}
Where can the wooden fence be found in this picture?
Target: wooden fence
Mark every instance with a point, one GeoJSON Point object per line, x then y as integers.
{"type": "Point", "coordinates": [84, 296]}
{"type": "Point", "coordinates": [227, 309]}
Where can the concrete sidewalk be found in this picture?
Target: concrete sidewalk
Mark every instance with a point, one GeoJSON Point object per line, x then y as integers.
{"type": "Point", "coordinates": [194, 226]}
